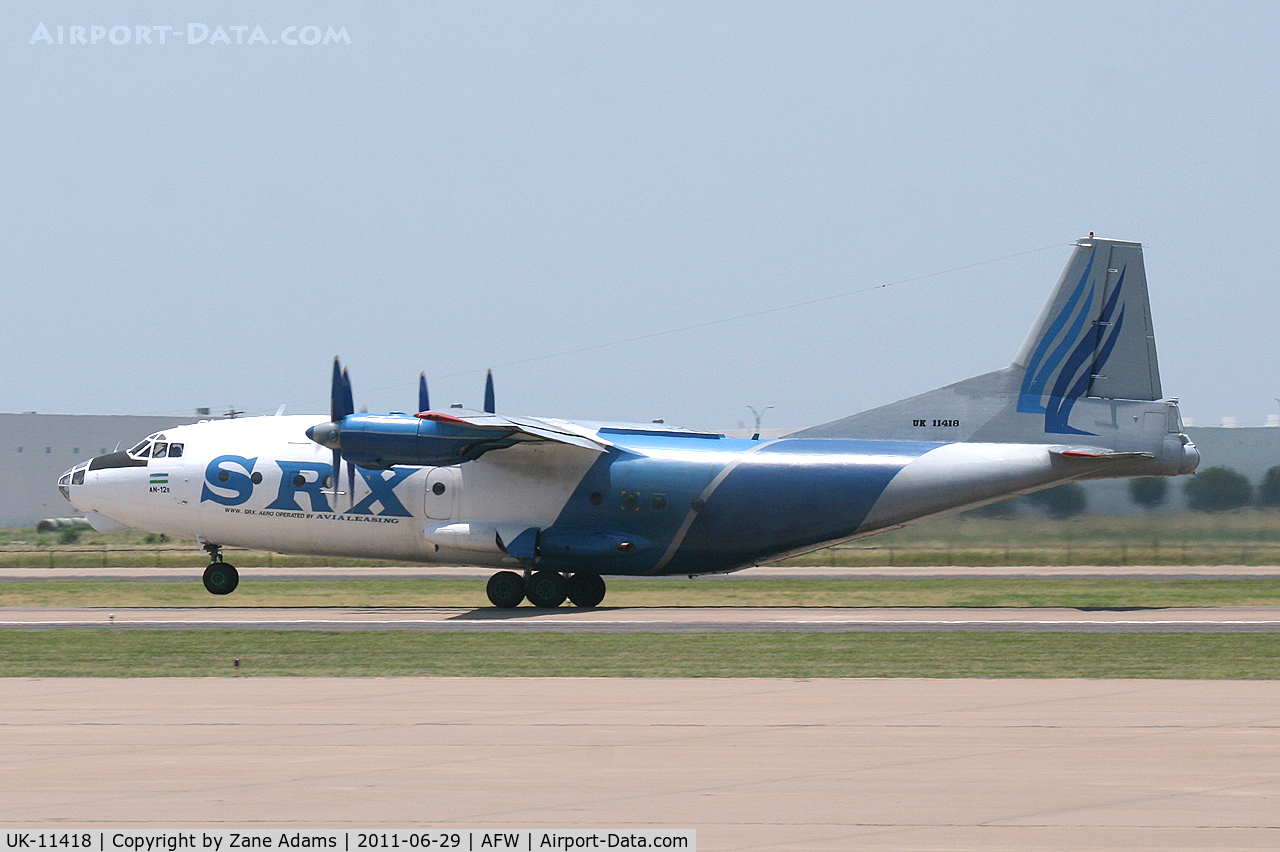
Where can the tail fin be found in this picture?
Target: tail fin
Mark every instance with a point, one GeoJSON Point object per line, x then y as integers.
{"type": "Point", "coordinates": [1093, 338]}
{"type": "Point", "coordinates": [1087, 368]}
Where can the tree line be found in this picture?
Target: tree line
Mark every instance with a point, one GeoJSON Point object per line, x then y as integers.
{"type": "Point", "coordinates": [1216, 489]}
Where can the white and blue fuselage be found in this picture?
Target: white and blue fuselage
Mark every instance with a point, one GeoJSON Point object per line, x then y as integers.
{"type": "Point", "coordinates": [580, 500]}
{"type": "Point", "coordinates": [653, 502]}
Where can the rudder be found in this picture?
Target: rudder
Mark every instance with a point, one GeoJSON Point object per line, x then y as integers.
{"type": "Point", "coordinates": [1093, 338]}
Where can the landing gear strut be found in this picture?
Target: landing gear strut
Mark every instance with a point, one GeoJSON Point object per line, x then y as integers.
{"type": "Point", "coordinates": [220, 578]}
{"type": "Point", "coordinates": [545, 589]}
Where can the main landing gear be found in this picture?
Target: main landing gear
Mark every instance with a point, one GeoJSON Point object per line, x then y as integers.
{"type": "Point", "coordinates": [219, 578]}
{"type": "Point", "coordinates": [544, 589]}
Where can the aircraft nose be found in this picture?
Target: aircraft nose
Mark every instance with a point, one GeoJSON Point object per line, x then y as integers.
{"type": "Point", "coordinates": [64, 484]}
{"type": "Point", "coordinates": [70, 479]}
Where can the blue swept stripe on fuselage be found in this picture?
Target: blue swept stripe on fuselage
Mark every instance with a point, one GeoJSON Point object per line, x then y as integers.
{"type": "Point", "coordinates": [695, 505]}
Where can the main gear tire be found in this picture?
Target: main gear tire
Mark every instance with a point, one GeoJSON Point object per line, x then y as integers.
{"type": "Point", "coordinates": [505, 589]}
{"type": "Point", "coordinates": [586, 590]}
{"type": "Point", "coordinates": [546, 589]}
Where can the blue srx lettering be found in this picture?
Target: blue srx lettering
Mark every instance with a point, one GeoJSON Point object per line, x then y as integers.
{"type": "Point", "coordinates": [305, 478]}
{"type": "Point", "coordinates": [222, 476]}
{"type": "Point", "coordinates": [381, 490]}
{"type": "Point", "coordinates": [228, 481]}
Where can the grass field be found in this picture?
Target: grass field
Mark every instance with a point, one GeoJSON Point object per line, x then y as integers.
{"type": "Point", "coordinates": [1249, 538]}
{"type": "Point", "coordinates": [106, 653]}
{"type": "Point", "coordinates": [207, 653]}
{"type": "Point", "coordinates": [1234, 538]}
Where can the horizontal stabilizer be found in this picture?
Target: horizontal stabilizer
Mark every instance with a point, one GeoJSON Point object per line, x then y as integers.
{"type": "Point", "coordinates": [1096, 453]}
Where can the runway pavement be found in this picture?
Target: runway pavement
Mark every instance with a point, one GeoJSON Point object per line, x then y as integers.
{"type": "Point", "coordinates": [657, 619]}
{"type": "Point", "coordinates": [750, 764]}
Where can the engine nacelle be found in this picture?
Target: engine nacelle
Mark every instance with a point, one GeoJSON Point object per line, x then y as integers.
{"type": "Point", "coordinates": [378, 441]}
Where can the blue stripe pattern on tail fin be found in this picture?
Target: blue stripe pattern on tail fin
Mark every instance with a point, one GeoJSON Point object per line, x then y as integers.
{"type": "Point", "coordinates": [1089, 351]}
{"type": "Point", "coordinates": [1039, 369]}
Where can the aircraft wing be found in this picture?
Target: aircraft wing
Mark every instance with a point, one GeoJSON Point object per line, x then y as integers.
{"type": "Point", "coordinates": [524, 428]}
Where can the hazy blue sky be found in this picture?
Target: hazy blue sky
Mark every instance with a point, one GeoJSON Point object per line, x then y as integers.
{"type": "Point", "coordinates": [473, 185]}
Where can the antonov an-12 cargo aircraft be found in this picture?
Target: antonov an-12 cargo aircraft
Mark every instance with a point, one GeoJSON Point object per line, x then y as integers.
{"type": "Point", "coordinates": [555, 505]}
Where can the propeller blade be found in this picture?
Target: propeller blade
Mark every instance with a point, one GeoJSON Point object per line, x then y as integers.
{"type": "Point", "coordinates": [335, 392]}
{"type": "Point", "coordinates": [348, 403]}
{"type": "Point", "coordinates": [424, 401]}
{"type": "Point", "coordinates": [488, 393]}
{"type": "Point", "coordinates": [337, 467]}
{"type": "Point", "coordinates": [340, 402]}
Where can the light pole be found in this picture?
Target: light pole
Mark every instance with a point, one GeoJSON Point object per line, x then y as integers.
{"type": "Point", "coordinates": [758, 415]}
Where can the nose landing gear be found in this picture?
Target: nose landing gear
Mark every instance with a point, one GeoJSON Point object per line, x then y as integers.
{"type": "Point", "coordinates": [220, 578]}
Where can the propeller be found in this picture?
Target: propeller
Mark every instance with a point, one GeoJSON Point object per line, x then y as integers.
{"type": "Point", "coordinates": [341, 404]}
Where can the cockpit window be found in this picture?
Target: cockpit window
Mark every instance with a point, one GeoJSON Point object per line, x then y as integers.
{"type": "Point", "coordinates": [77, 478]}
{"type": "Point", "coordinates": [155, 447]}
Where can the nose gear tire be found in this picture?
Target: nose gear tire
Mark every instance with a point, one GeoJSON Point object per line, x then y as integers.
{"type": "Point", "coordinates": [221, 578]}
